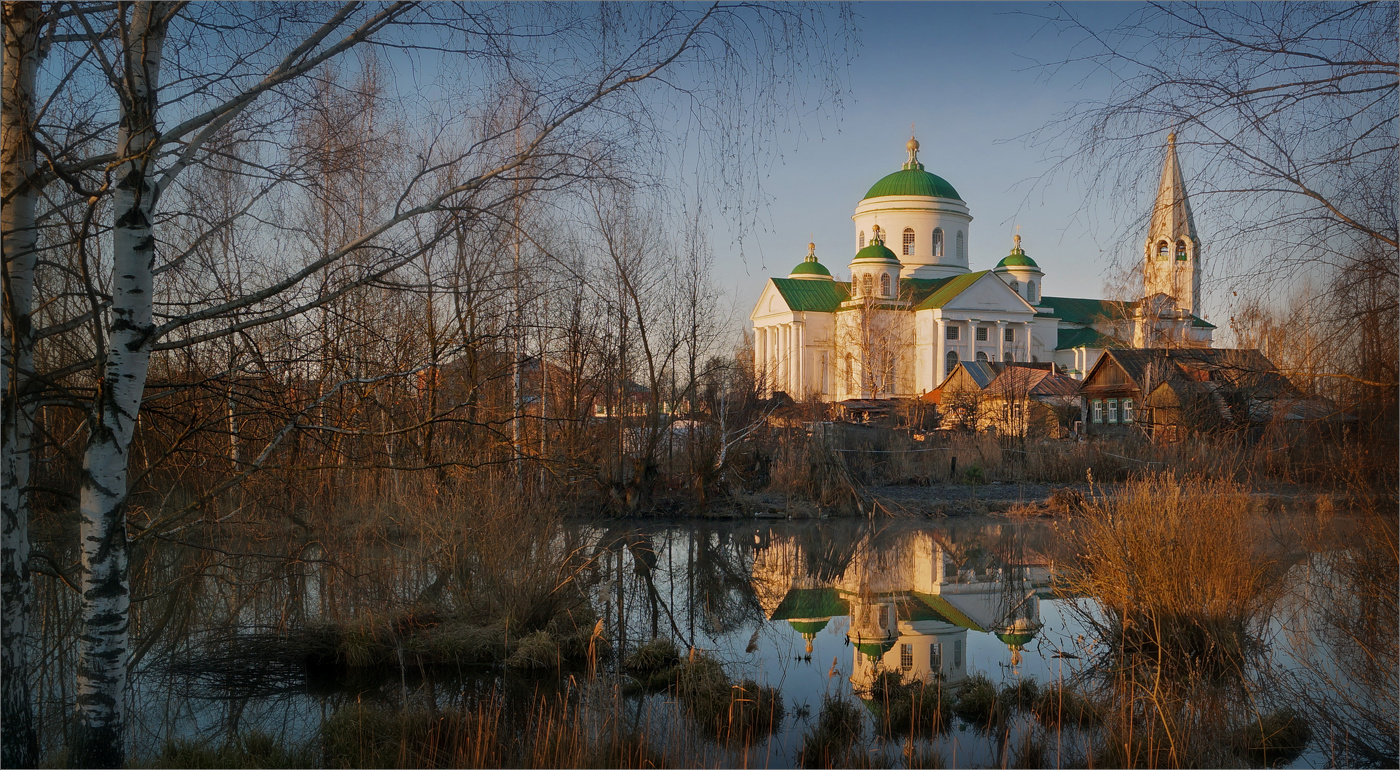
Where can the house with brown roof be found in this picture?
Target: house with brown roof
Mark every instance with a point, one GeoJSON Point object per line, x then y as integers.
{"type": "Point", "coordinates": [1169, 393]}
{"type": "Point", "coordinates": [1022, 399]}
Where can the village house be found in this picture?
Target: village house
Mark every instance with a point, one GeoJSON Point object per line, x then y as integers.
{"type": "Point", "coordinates": [1170, 393]}
{"type": "Point", "coordinates": [1031, 399]}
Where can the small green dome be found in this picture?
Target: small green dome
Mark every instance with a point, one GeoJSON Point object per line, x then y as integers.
{"type": "Point", "coordinates": [876, 252]}
{"type": "Point", "coordinates": [913, 181]}
{"type": "Point", "coordinates": [875, 650]}
{"type": "Point", "coordinates": [1017, 258]}
{"type": "Point", "coordinates": [806, 627]}
{"type": "Point", "coordinates": [809, 268]}
{"type": "Point", "coordinates": [1011, 639]}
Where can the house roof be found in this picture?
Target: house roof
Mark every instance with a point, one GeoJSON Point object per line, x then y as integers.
{"type": "Point", "coordinates": [1069, 339]}
{"type": "Point", "coordinates": [1031, 381]}
{"type": "Point", "coordinates": [1244, 371]}
{"type": "Point", "coordinates": [1087, 311]}
{"type": "Point", "coordinates": [812, 296]}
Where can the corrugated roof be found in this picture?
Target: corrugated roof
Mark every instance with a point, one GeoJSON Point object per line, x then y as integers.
{"type": "Point", "coordinates": [1069, 339]}
{"type": "Point", "coordinates": [1017, 380]}
{"type": "Point", "coordinates": [812, 296]}
{"type": "Point", "coordinates": [982, 372]}
{"type": "Point", "coordinates": [1088, 311]}
{"type": "Point", "coordinates": [952, 288]}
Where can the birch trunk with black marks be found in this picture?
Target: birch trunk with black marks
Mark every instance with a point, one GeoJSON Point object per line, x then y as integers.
{"type": "Point", "coordinates": [18, 742]}
{"type": "Point", "coordinates": [103, 647]}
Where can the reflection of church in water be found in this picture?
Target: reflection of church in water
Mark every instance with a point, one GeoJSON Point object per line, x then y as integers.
{"type": "Point", "coordinates": [908, 605]}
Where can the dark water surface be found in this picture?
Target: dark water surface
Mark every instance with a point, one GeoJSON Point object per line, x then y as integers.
{"type": "Point", "coordinates": [813, 608]}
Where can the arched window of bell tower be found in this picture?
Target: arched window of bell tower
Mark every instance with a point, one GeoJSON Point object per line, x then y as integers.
{"type": "Point", "coordinates": [908, 241]}
{"type": "Point", "coordinates": [1162, 249]}
{"type": "Point", "coordinates": [1181, 250]}
{"type": "Point", "coordinates": [885, 285]}
{"type": "Point", "coordinates": [962, 246]}
{"type": "Point", "coordinates": [862, 240]}
{"type": "Point", "coordinates": [937, 241]}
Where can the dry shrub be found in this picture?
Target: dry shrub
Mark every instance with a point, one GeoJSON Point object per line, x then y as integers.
{"type": "Point", "coordinates": [730, 711]}
{"type": "Point", "coordinates": [980, 704]}
{"type": "Point", "coordinates": [829, 743]}
{"type": "Point", "coordinates": [913, 708]}
{"type": "Point", "coordinates": [535, 652]}
{"type": "Point", "coordinates": [1173, 564]}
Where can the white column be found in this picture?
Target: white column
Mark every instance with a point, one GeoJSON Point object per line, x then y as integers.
{"type": "Point", "coordinates": [1026, 328]}
{"type": "Point", "coordinates": [1001, 340]}
{"type": "Point", "coordinates": [971, 340]}
{"type": "Point", "coordinates": [760, 354]}
{"type": "Point", "coordinates": [800, 368]}
{"type": "Point", "coordinates": [940, 334]}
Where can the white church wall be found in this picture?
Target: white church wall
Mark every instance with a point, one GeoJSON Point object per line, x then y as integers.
{"type": "Point", "coordinates": [923, 215]}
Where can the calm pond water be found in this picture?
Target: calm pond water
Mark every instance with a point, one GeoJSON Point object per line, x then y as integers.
{"type": "Point", "coordinates": [812, 608]}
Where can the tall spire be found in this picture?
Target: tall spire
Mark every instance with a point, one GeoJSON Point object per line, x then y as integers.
{"type": "Point", "coordinates": [1171, 215]}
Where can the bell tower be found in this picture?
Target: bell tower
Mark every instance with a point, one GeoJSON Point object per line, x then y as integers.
{"type": "Point", "coordinates": [1173, 250]}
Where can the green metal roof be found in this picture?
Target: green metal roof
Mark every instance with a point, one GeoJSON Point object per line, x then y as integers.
{"type": "Point", "coordinates": [1201, 323]}
{"type": "Point", "coordinates": [1086, 338]}
{"type": "Point", "coordinates": [1016, 640]}
{"type": "Point", "coordinates": [810, 268]}
{"type": "Point", "coordinates": [875, 252]}
{"type": "Point", "coordinates": [809, 603]}
{"type": "Point", "coordinates": [812, 296]}
{"type": "Point", "coordinates": [952, 288]}
{"type": "Point", "coordinates": [1017, 260]}
{"type": "Point", "coordinates": [913, 181]}
{"type": "Point", "coordinates": [806, 627]}
{"type": "Point", "coordinates": [1087, 311]}
{"type": "Point", "coordinates": [948, 612]}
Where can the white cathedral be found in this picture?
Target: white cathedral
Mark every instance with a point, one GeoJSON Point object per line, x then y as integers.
{"type": "Point", "coordinates": [905, 319]}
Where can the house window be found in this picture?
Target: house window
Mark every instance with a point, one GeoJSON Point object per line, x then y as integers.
{"type": "Point", "coordinates": [1181, 251]}
{"type": "Point", "coordinates": [1010, 335]}
{"type": "Point", "coordinates": [937, 241]}
{"type": "Point", "coordinates": [982, 357]}
{"type": "Point", "coordinates": [867, 285]}
{"type": "Point", "coordinates": [1162, 249]}
{"type": "Point", "coordinates": [952, 360]}
{"type": "Point", "coordinates": [981, 334]}
{"type": "Point", "coordinates": [1127, 410]}
{"type": "Point", "coordinates": [908, 241]}
{"type": "Point", "coordinates": [951, 333]}
{"type": "Point", "coordinates": [862, 240]}
{"type": "Point", "coordinates": [962, 246]}
{"type": "Point", "coordinates": [1098, 411]}
{"type": "Point", "coordinates": [906, 657]}
{"type": "Point", "coordinates": [885, 285]}
{"type": "Point", "coordinates": [1113, 410]}
{"type": "Point", "coordinates": [935, 657]}
{"type": "Point", "coordinates": [957, 653]}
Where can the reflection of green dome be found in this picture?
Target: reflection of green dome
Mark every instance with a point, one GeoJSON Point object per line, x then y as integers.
{"type": "Point", "coordinates": [876, 252]}
{"type": "Point", "coordinates": [1012, 639]}
{"type": "Point", "coordinates": [913, 181]}
{"type": "Point", "coordinates": [806, 627]}
{"type": "Point", "coordinates": [875, 650]}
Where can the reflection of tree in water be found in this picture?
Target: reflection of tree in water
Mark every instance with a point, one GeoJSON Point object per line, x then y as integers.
{"type": "Point", "coordinates": [719, 577]}
{"type": "Point", "coordinates": [827, 550]}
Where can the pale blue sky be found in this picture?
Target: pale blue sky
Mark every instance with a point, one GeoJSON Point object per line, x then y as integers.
{"type": "Point", "coordinates": [967, 75]}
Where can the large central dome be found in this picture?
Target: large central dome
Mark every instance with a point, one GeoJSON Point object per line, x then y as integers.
{"type": "Point", "coordinates": [913, 181]}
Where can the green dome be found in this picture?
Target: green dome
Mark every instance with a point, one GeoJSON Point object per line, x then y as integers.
{"type": "Point", "coordinates": [876, 252]}
{"type": "Point", "coordinates": [805, 627]}
{"type": "Point", "coordinates": [875, 650]}
{"type": "Point", "coordinates": [913, 181]}
{"type": "Point", "coordinates": [810, 268]}
{"type": "Point", "coordinates": [1015, 640]}
{"type": "Point", "coordinates": [1017, 258]}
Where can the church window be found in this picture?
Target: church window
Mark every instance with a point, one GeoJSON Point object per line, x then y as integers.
{"type": "Point", "coordinates": [1112, 410]}
{"type": "Point", "coordinates": [1162, 250]}
{"type": "Point", "coordinates": [1098, 410]}
{"type": "Point", "coordinates": [867, 285]}
{"type": "Point", "coordinates": [937, 241]}
{"type": "Point", "coordinates": [962, 246]}
{"type": "Point", "coordinates": [1015, 286]}
{"type": "Point", "coordinates": [981, 334]}
{"type": "Point", "coordinates": [982, 357]}
{"type": "Point", "coordinates": [1181, 251]}
{"type": "Point", "coordinates": [957, 653]}
{"type": "Point", "coordinates": [951, 333]}
{"type": "Point", "coordinates": [952, 361]}
{"type": "Point", "coordinates": [935, 656]}
{"type": "Point", "coordinates": [908, 241]}
{"type": "Point", "coordinates": [906, 657]}
{"type": "Point", "coordinates": [1010, 335]}
{"type": "Point", "coordinates": [885, 285]}
{"type": "Point", "coordinates": [1127, 410]}
{"type": "Point", "coordinates": [1034, 291]}
{"type": "Point", "coordinates": [862, 240]}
